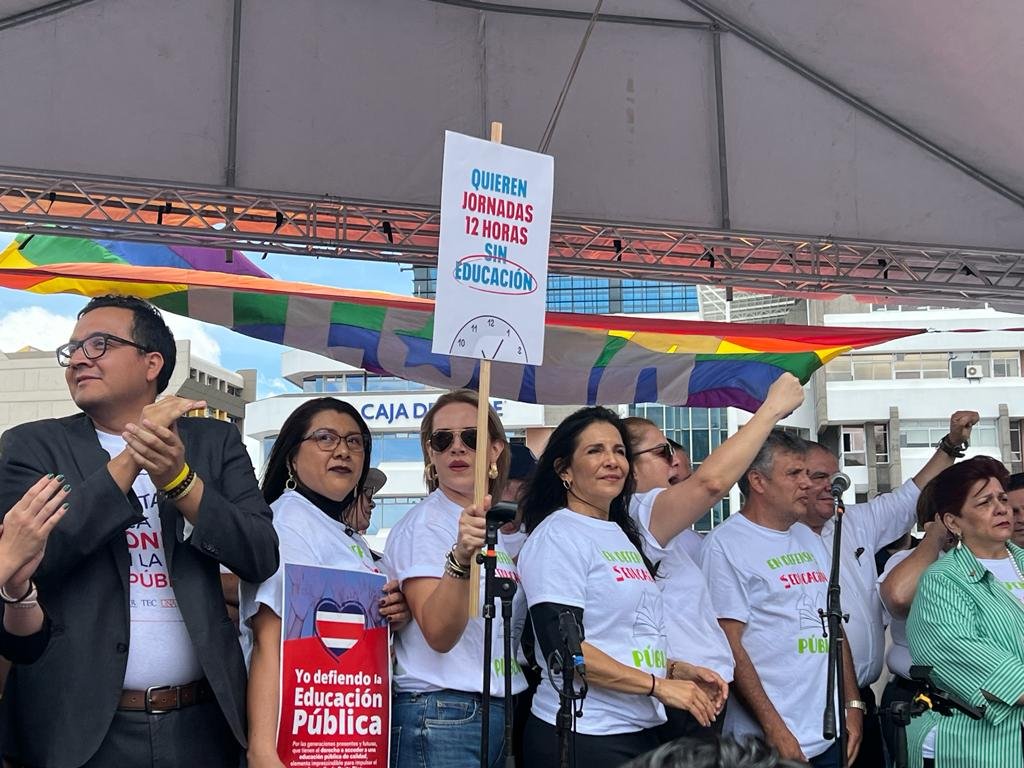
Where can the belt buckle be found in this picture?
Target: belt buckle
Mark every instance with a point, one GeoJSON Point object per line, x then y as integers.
{"type": "Point", "coordinates": [150, 709]}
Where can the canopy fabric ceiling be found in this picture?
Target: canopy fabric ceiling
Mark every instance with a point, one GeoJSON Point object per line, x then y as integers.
{"type": "Point", "coordinates": [846, 124]}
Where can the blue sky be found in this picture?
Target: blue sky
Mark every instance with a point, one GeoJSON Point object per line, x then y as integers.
{"type": "Point", "coordinates": [44, 322]}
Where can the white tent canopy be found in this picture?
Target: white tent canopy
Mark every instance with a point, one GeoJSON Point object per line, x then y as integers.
{"type": "Point", "coordinates": [855, 146]}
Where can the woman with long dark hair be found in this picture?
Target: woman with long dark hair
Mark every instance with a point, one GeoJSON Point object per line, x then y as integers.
{"type": "Point", "coordinates": [435, 711]}
{"type": "Point", "coordinates": [967, 620]}
{"type": "Point", "coordinates": [313, 482]}
{"type": "Point", "coordinates": [584, 555]}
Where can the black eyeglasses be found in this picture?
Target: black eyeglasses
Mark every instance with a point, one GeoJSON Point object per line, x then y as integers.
{"type": "Point", "coordinates": [441, 440]}
{"type": "Point", "coordinates": [328, 440]}
{"type": "Point", "coordinates": [93, 347]}
{"type": "Point", "coordinates": [665, 450]}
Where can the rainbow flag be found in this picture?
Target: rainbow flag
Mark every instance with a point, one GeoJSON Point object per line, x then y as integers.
{"type": "Point", "coordinates": [589, 359]}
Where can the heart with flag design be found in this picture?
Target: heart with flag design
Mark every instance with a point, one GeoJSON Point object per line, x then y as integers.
{"type": "Point", "coordinates": [339, 627]}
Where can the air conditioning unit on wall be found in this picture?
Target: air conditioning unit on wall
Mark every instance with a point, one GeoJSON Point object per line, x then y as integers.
{"type": "Point", "coordinates": [974, 372]}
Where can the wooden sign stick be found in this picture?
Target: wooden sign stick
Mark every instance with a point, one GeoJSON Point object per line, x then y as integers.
{"type": "Point", "coordinates": [483, 444]}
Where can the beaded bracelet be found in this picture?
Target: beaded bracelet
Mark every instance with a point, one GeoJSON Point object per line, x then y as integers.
{"type": "Point", "coordinates": [453, 567]}
{"type": "Point", "coordinates": [183, 488]}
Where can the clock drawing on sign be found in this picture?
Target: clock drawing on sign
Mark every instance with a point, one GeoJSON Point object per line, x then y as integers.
{"type": "Point", "coordinates": [490, 338]}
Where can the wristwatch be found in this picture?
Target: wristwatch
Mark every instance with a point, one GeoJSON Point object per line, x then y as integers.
{"type": "Point", "coordinates": [856, 704]}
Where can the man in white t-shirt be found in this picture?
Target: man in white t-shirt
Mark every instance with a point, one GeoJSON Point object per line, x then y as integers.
{"type": "Point", "coordinates": [143, 664]}
{"type": "Point", "coordinates": [767, 575]}
{"type": "Point", "coordinates": [866, 529]}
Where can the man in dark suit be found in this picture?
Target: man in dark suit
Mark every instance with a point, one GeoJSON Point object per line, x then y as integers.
{"type": "Point", "coordinates": [143, 662]}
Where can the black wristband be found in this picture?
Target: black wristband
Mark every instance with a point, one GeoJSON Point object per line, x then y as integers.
{"type": "Point", "coordinates": [951, 449]}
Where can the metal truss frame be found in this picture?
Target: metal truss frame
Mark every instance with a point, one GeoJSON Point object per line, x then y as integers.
{"type": "Point", "coordinates": [806, 266]}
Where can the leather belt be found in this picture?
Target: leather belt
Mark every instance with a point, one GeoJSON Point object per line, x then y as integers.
{"type": "Point", "coordinates": [165, 698]}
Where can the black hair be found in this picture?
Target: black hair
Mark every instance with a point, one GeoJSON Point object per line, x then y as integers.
{"type": "Point", "coordinates": [947, 492]}
{"type": "Point", "coordinates": [290, 437]}
{"type": "Point", "coordinates": [149, 330]}
{"type": "Point", "coordinates": [778, 441]}
{"type": "Point", "coordinates": [545, 493]}
{"type": "Point", "coordinates": [1016, 481]}
{"type": "Point", "coordinates": [717, 752]}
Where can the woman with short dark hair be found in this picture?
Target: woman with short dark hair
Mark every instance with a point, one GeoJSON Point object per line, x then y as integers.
{"type": "Point", "coordinates": [313, 482]}
{"type": "Point", "coordinates": [967, 623]}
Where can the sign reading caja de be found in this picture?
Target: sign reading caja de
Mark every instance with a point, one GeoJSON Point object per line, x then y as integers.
{"type": "Point", "coordinates": [492, 261]}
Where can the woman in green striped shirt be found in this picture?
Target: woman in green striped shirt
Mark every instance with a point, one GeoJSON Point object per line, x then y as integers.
{"type": "Point", "coordinates": [967, 622]}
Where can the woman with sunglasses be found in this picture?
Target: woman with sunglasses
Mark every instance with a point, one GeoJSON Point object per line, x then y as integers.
{"type": "Point", "coordinates": [584, 556]}
{"type": "Point", "coordinates": [662, 504]}
{"type": "Point", "coordinates": [314, 481]}
{"type": "Point", "coordinates": [438, 656]}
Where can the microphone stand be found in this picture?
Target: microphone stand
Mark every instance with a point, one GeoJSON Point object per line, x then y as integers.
{"type": "Point", "coordinates": [503, 589]}
{"type": "Point", "coordinates": [835, 617]}
{"type": "Point", "coordinates": [562, 662]}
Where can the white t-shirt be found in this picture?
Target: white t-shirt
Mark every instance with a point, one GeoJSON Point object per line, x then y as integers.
{"type": "Point", "coordinates": [866, 529]}
{"type": "Point", "coordinates": [690, 542]}
{"type": "Point", "coordinates": [1005, 573]}
{"type": "Point", "coordinates": [415, 548]}
{"type": "Point", "coordinates": [575, 560]}
{"type": "Point", "coordinates": [775, 582]}
{"type": "Point", "coordinates": [512, 542]}
{"type": "Point", "coordinates": [160, 651]}
{"type": "Point", "coordinates": [307, 537]}
{"type": "Point", "coordinates": [898, 657]}
{"type": "Point", "coordinates": [691, 623]}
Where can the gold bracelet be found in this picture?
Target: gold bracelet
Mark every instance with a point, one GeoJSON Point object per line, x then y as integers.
{"type": "Point", "coordinates": [178, 478]}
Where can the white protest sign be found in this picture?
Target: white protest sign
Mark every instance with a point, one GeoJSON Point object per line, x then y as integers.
{"type": "Point", "coordinates": [492, 261]}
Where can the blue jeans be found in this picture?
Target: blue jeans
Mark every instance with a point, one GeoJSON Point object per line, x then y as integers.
{"type": "Point", "coordinates": [442, 729]}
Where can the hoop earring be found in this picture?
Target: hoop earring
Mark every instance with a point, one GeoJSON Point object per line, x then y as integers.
{"type": "Point", "coordinates": [567, 484]}
{"type": "Point", "coordinates": [430, 474]}
{"type": "Point", "coordinates": [291, 483]}
{"type": "Point", "coordinates": [493, 471]}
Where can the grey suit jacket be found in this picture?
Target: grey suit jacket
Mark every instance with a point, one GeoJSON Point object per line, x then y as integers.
{"type": "Point", "coordinates": [58, 710]}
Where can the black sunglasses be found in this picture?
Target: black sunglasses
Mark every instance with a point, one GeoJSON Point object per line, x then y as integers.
{"type": "Point", "coordinates": [665, 450]}
{"type": "Point", "coordinates": [93, 347]}
{"type": "Point", "coordinates": [441, 440]}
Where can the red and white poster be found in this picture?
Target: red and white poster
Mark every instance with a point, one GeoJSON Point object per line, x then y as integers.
{"type": "Point", "coordinates": [335, 670]}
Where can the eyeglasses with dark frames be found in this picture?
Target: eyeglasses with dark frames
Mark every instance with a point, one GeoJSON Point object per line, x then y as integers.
{"type": "Point", "coordinates": [664, 450]}
{"type": "Point", "coordinates": [441, 439]}
{"type": "Point", "coordinates": [93, 347]}
{"type": "Point", "coordinates": [328, 440]}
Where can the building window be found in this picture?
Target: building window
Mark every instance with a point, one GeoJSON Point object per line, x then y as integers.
{"type": "Point", "coordinates": [926, 433]}
{"type": "Point", "coordinates": [872, 367]}
{"type": "Point", "coordinates": [389, 510]}
{"type": "Point", "coordinates": [396, 446]}
{"type": "Point", "coordinates": [925, 365]}
{"type": "Point", "coordinates": [1016, 463]}
{"type": "Point", "coordinates": [854, 453]}
{"type": "Point", "coordinates": [881, 443]}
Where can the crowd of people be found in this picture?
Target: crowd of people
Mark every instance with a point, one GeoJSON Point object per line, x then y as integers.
{"type": "Point", "coordinates": [124, 523]}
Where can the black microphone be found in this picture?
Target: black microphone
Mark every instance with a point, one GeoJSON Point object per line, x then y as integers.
{"type": "Point", "coordinates": [839, 483]}
{"type": "Point", "coordinates": [570, 632]}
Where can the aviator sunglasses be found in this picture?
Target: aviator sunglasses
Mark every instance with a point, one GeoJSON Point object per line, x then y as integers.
{"type": "Point", "coordinates": [441, 440]}
{"type": "Point", "coordinates": [664, 450]}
